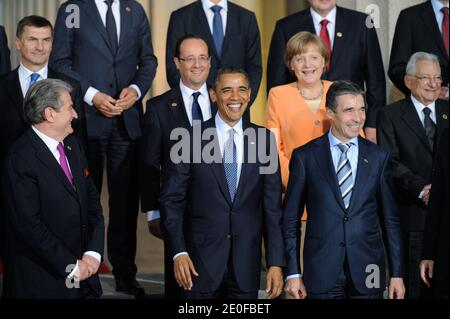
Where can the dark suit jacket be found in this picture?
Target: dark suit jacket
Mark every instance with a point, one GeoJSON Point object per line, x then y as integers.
{"type": "Point", "coordinates": [400, 130]}
{"type": "Point", "coordinates": [355, 56]}
{"type": "Point", "coordinates": [84, 53]}
{"type": "Point", "coordinates": [436, 236]}
{"type": "Point", "coordinates": [416, 30]}
{"type": "Point", "coordinates": [164, 114]}
{"type": "Point", "coordinates": [331, 232]}
{"type": "Point", "coordinates": [201, 219]}
{"type": "Point", "coordinates": [5, 63]}
{"type": "Point", "coordinates": [49, 225]}
{"type": "Point", "coordinates": [241, 44]}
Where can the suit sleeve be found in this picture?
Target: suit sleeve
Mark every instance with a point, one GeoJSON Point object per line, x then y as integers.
{"type": "Point", "coordinates": [294, 202]}
{"type": "Point", "coordinates": [276, 69]}
{"type": "Point", "coordinates": [5, 63]}
{"type": "Point", "coordinates": [24, 214]}
{"type": "Point", "coordinates": [272, 122]}
{"type": "Point", "coordinates": [391, 221]}
{"type": "Point", "coordinates": [400, 52]}
{"type": "Point", "coordinates": [273, 235]}
{"type": "Point", "coordinates": [375, 79]}
{"type": "Point", "coordinates": [80, 129]}
{"type": "Point", "coordinates": [253, 56]}
{"type": "Point", "coordinates": [173, 204]}
{"type": "Point", "coordinates": [151, 159]}
{"type": "Point", "coordinates": [175, 31]}
{"type": "Point", "coordinates": [409, 182]}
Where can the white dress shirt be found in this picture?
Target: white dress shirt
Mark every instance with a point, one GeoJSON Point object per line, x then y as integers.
{"type": "Point", "coordinates": [419, 109]}
{"type": "Point", "coordinates": [52, 145]}
{"type": "Point", "coordinates": [331, 26]}
{"type": "Point", "coordinates": [25, 77]}
{"type": "Point", "coordinates": [437, 6]}
{"type": "Point", "coordinates": [223, 135]}
{"type": "Point", "coordinates": [210, 14]}
{"type": "Point", "coordinates": [102, 10]}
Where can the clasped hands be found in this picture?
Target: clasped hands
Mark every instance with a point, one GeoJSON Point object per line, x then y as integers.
{"type": "Point", "coordinates": [111, 107]}
{"type": "Point", "coordinates": [87, 267]}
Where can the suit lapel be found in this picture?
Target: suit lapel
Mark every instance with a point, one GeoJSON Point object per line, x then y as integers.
{"type": "Point", "coordinates": [247, 166]}
{"type": "Point", "coordinates": [75, 166]}
{"type": "Point", "coordinates": [339, 45]}
{"type": "Point", "coordinates": [47, 158]}
{"type": "Point", "coordinates": [362, 171]}
{"type": "Point", "coordinates": [15, 91]}
{"type": "Point", "coordinates": [205, 31]}
{"type": "Point", "coordinates": [126, 23]}
{"type": "Point", "coordinates": [325, 162]}
{"type": "Point", "coordinates": [411, 119]}
{"type": "Point", "coordinates": [91, 11]}
{"type": "Point", "coordinates": [178, 109]}
{"type": "Point", "coordinates": [429, 20]}
{"type": "Point", "coordinates": [230, 29]}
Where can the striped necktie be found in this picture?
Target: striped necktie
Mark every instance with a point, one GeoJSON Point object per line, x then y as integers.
{"type": "Point", "coordinates": [230, 164]}
{"type": "Point", "coordinates": [344, 174]}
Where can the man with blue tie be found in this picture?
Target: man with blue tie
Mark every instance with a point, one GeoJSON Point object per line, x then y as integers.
{"type": "Point", "coordinates": [110, 52]}
{"type": "Point", "coordinates": [216, 209]}
{"type": "Point", "coordinates": [54, 221]}
{"type": "Point", "coordinates": [181, 106]}
{"type": "Point", "coordinates": [346, 185]}
{"type": "Point", "coordinates": [230, 31]}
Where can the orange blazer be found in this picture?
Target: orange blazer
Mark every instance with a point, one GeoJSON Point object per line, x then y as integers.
{"type": "Point", "coordinates": [293, 122]}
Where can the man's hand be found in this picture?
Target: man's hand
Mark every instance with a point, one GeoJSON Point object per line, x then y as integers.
{"type": "Point", "coordinates": [426, 271]}
{"type": "Point", "coordinates": [371, 134]}
{"type": "Point", "coordinates": [183, 267]}
{"type": "Point", "coordinates": [396, 288]}
{"type": "Point", "coordinates": [426, 194]}
{"type": "Point", "coordinates": [154, 227]}
{"type": "Point", "coordinates": [444, 93]}
{"type": "Point", "coordinates": [106, 104]}
{"type": "Point", "coordinates": [92, 264]}
{"type": "Point", "coordinates": [274, 282]}
{"type": "Point", "coordinates": [127, 98]}
{"type": "Point", "coordinates": [295, 288]}
{"type": "Point", "coordinates": [82, 271]}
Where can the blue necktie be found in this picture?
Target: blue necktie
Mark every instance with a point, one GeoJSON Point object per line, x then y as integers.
{"type": "Point", "coordinates": [196, 110]}
{"type": "Point", "coordinates": [34, 77]}
{"type": "Point", "coordinates": [230, 164]}
{"type": "Point", "coordinates": [344, 175]}
{"type": "Point", "coordinates": [217, 29]}
{"type": "Point", "coordinates": [111, 28]}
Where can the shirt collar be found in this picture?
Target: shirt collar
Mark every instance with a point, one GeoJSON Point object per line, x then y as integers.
{"type": "Point", "coordinates": [51, 143]}
{"type": "Point", "coordinates": [26, 73]}
{"type": "Point", "coordinates": [187, 92]}
{"type": "Point", "coordinates": [331, 16]}
{"type": "Point", "coordinates": [419, 106]}
{"type": "Point", "coordinates": [437, 6]}
{"type": "Point", "coordinates": [223, 127]}
{"type": "Point", "coordinates": [97, 2]}
{"type": "Point", "coordinates": [334, 141]}
{"type": "Point", "coordinates": [208, 4]}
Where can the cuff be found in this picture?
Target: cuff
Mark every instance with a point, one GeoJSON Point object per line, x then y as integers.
{"type": "Point", "coordinates": [179, 254]}
{"type": "Point", "coordinates": [153, 215]}
{"type": "Point", "coordinates": [94, 254]}
{"type": "Point", "coordinates": [134, 86]}
{"type": "Point", "coordinates": [294, 276]}
{"type": "Point", "coordinates": [89, 96]}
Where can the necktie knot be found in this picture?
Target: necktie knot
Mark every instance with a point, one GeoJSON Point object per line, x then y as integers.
{"type": "Point", "coordinates": [427, 111]}
{"type": "Point", "coordinates": [344, 147]}
{"type": "Point", "coordinates": [444, 10]}
{"type": "Point", "coordinates": [216, 9]}
{"type": "Point", "coordinates": [33, 78]}
{"type": "Point", "coordinates": [63, 162]}
{"type": "Point", "coordinates": [324, 23]}
{"type": "Point", "coordinates": [195, 95]}
{"type": "Point", "coordinates": [109, 2]}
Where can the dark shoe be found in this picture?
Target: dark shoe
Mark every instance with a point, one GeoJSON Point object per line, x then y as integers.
{"type": "Point", "coordinates": [130, 287]}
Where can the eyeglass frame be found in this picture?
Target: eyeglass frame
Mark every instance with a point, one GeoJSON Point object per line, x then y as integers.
{"type": "Point", "coordinates": [192, 59]}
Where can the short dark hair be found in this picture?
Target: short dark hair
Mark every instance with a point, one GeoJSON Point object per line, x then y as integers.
{"type": "Point", "coordinates": [32, 21]}
{"type": "Point", "coordinates": [189, 37]}
{"type": "Point", "coordinates": [229, 70]}
{"type": "Point", "coordinates": [339, 88]}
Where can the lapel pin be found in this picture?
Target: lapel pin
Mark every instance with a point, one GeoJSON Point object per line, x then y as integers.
{"type": "Point", "coordinates": [174, 104]}
{"type": "Point", "coordinates": [366, 161]}
{"type": "Point", "coordinates": [444, 116]}
{"type": "Point", "coordinates": [69, 148]}
{"type": "Point", "coordinates": [339, 34]}
{"type": "Point", "coordinates": [127, 9]}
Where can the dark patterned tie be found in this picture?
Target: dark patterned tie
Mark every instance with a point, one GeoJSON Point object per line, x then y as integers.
{"type": "Point", "coordinates": [344, 175]}
{"type": "Point", "coordinates": [196, 110]}
{"type": "Point", "coordinates": [430, 127]}
{"type": "Point", "coordinates": [230, 164]}
{"type": "Point", "coordinates": [217, 29]}
{"type": "Point", "coordinates": [111, 27]}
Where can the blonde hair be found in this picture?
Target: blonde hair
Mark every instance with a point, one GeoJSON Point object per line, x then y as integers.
{"type": "Point", "coordinates": [297, 44]}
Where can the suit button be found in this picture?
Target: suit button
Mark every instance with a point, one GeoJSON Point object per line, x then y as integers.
{"type": "Point", "coordinates": [110, 85]}
{"type": "Point", "coordinates": [228, 236]}
{"type": "Point", "coordinates": [342, 244]}
{"type": "Point", "coordinates": [346, 219]}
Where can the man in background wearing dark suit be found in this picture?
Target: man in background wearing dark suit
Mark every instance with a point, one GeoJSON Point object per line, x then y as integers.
{"type": "Point", "coordinates": [231, 32]}
{"type": "Point", "coordinates": [179, 107]}
{"type": "Point", "coordinates": [407, 128]}
{"type": "Point", "coordinates": [54, 221]}
{"type": "Point", "coordinates": [423, 27]}
{"type": "Point", "coordinates": [34, 37]}
{"type": "Point", "coordinates": [111, 54]}
{"type": "Point", "coordinates": [353, 49]}
{"type": "Point", "coordinates": [217, 205]}
{"type": "Point", "coordinates": [346, 184]}
{"type": "Point", "coordinates": [5, 63]}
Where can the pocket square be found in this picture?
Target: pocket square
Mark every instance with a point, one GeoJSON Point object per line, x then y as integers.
{"type": "Point", "coordinates": [85, 172]}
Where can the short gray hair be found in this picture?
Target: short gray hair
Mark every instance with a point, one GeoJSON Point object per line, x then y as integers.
{"type": "Point", "coordinates": [43, 94]}
{"type": "Point", "coordinates": [419, 56]}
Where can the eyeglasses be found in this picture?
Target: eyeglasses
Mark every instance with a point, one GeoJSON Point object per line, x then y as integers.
{"type": "Point", "coordinates": [202, 59]}
{"type": "Point", "coordinates": [424, 79]}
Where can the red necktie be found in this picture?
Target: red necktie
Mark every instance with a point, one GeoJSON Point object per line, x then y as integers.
{"type": "Point", "coordinates": [326, 38]}
{"type": "Point", "coordinates": [445, 28]}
